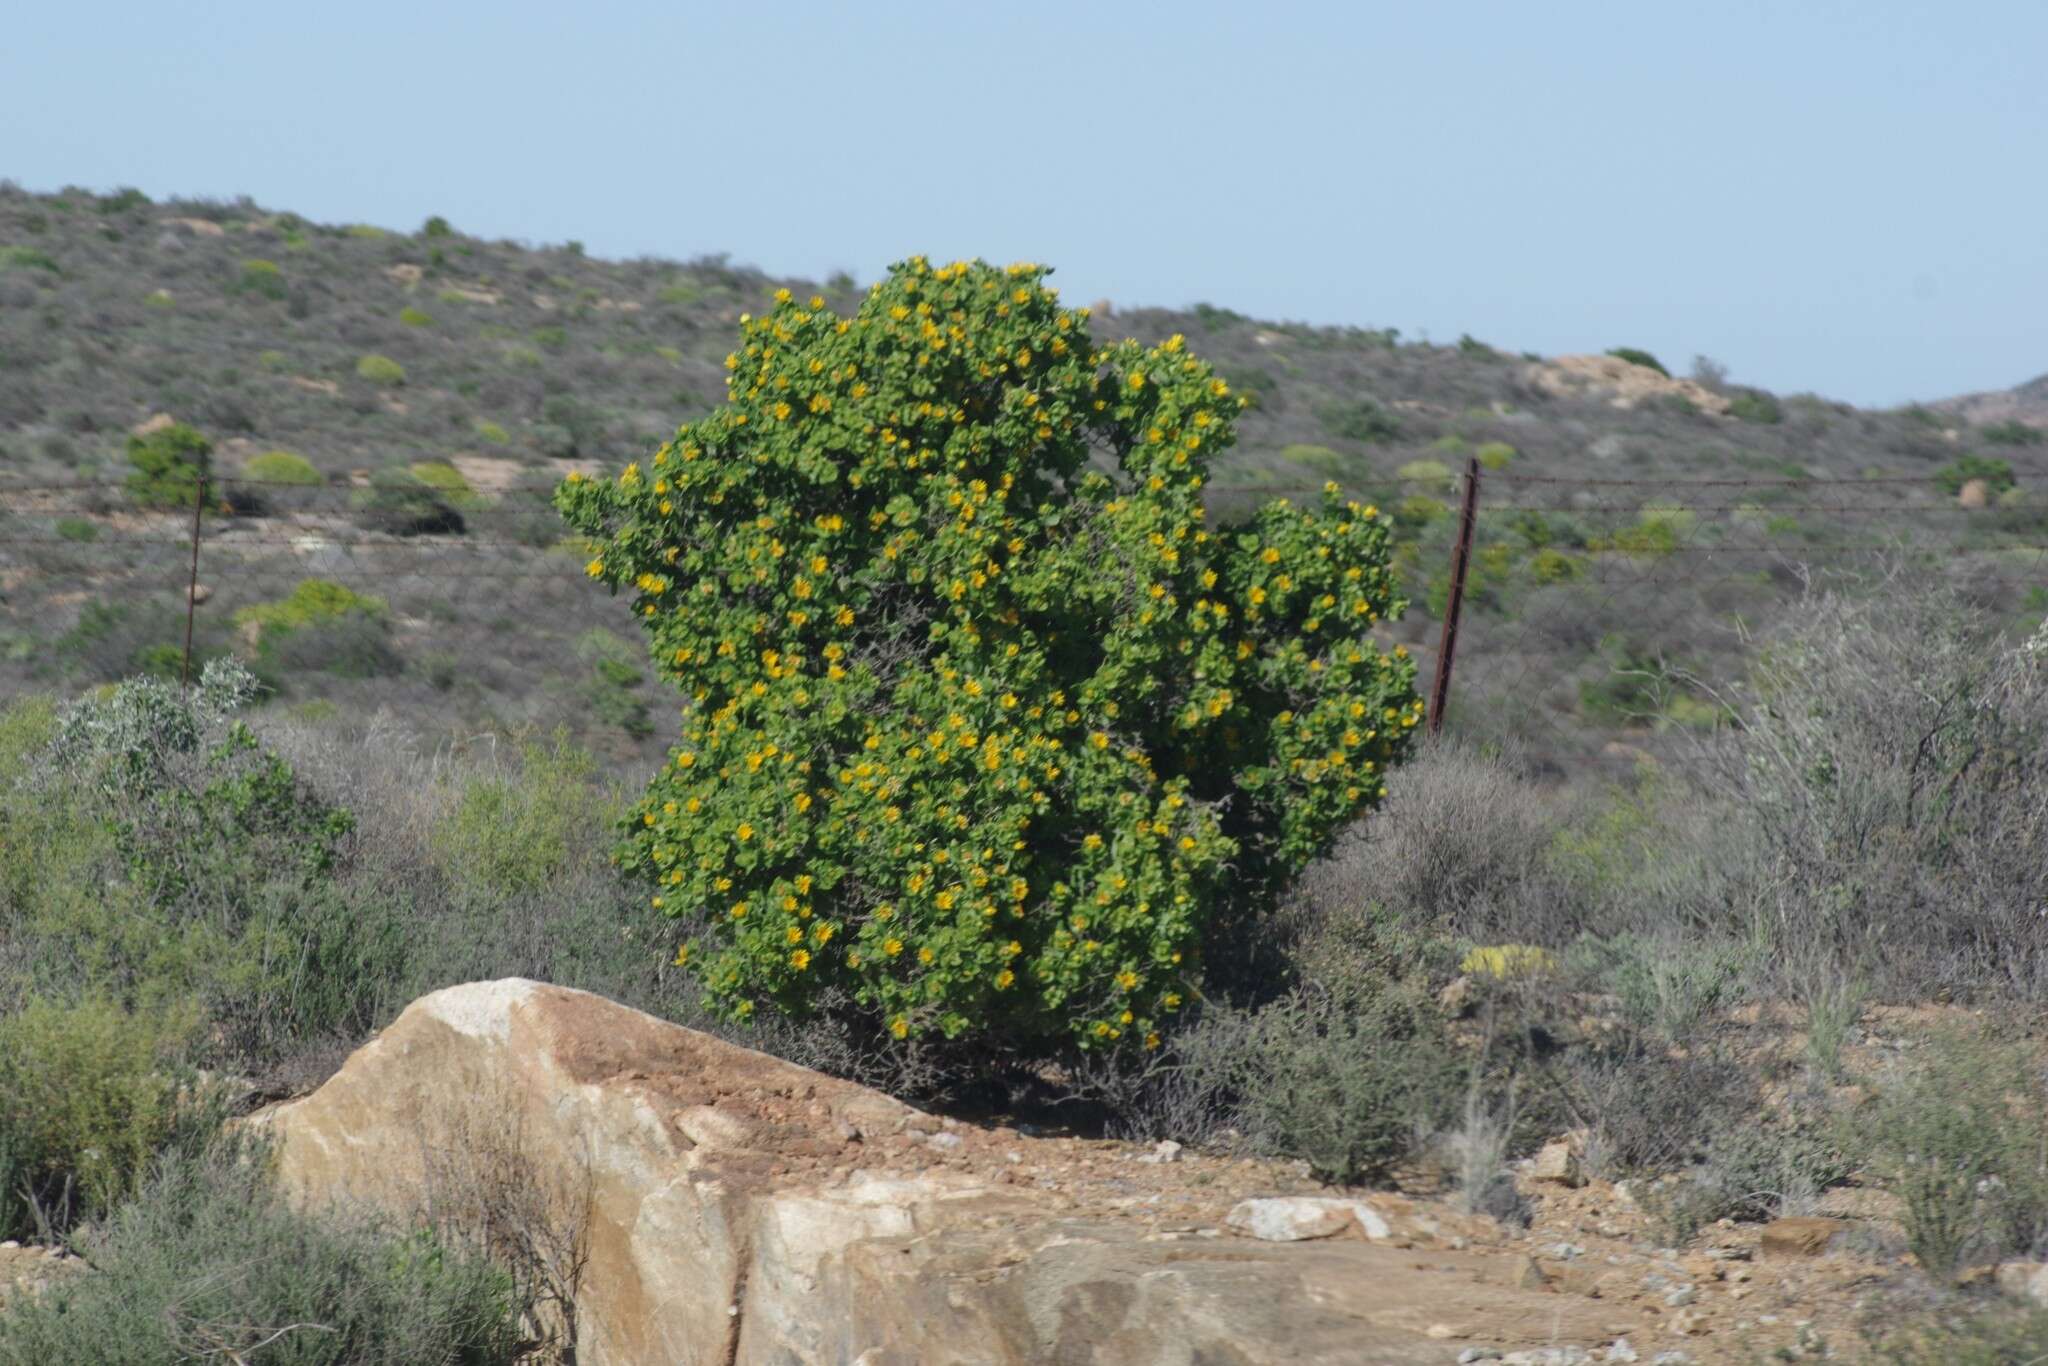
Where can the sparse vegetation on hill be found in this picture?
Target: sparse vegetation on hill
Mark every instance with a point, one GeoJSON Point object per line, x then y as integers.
{"type": "Point", "coordinates": [117, 309]}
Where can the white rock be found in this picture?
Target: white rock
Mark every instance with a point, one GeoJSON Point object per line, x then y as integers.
{"type": "Point", "coordinates": [1622, 1350]}
{"type": "Point", "coordinates": [1166, 1150]}
{"type": "Point", "coordinates": [1681, 1297]}
{"type": "Point", "coordinates": [1295, 1218]}
{"type": "Point", "coordinates": [946, 1142]}
{"type": "Point", "coordinates": [2024, 1281]}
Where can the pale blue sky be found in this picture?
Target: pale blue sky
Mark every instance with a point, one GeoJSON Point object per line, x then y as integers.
{"type": "Point", "coordinates": [1843, 197]}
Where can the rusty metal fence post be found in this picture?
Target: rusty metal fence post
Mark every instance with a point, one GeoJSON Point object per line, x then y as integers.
{"type": "Point", "coordinates": [192, 583]}
{"type": "Point", "coordinates": [1461, 558]}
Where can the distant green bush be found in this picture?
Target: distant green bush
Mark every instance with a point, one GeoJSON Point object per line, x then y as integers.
{"type": "Point", "coordinates": [1996, 474]}
{"type": "Point", "coordinates": [1321, 459]}
{"type": "Point", "coordinates": [1637, 356]}
{"type": "Point", "coordinates": [493, 433]}
{"type": "Point", "coordinates": [1429, 476]}
{"type": "Point", "coordinates": [169, 463]}
{"type": "Point", "coordinates": [552, 337]}
{"type": "Point", "coordinates": [1554, 566]}
{"type": "Point", "coordinates": [381, 370]}
{"type": "Point", "coordinates": [2013, 434]}
{"type": "Point", "coordinates": [261, 278]}
{"type": "Point", "coordinates": [365, 230]}
{"type": "Point", "coordinates": [28, 258]}
{"type": "Point", "coordinates": [445, 480]}
{"type": "Point", "coordinates": [436, 226]}
{"type": "Point", "coordinates": [313, 601]}
{"type": "Point", "coordinates": [78, 529]}
{"type": "Point", "coordinates": [210, 1263]}
{"type": "Point", "coordinates": [1754, 405]}
{"type": "Point", "coordinates": [415, 317]}
{"type": "Point", "coordinates": [85, 1102]}
{"type": "Point", "coordinates": [283, 467]}
{"type": "Point", "coordinates": [1364, 419]}
{"type": "Point", "coordinates": [1417, 511]}
{"type": "Point", "coordinates": [1495, 455]}
{"type": "Point", "coordinates": [679, 295]}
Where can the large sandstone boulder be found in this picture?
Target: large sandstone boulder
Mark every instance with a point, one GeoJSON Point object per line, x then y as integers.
{"type": "Point", "coordinates": [716, 1205]}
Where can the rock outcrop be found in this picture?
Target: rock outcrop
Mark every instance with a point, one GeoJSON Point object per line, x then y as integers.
{"type": "Point", "coordinates": [1624, 384]}
{"type": "Point", "coordinates": [721, 1206]}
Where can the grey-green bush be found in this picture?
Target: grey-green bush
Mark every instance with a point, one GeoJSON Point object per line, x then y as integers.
{"type": "Point", "coordinates": [208, 1263]}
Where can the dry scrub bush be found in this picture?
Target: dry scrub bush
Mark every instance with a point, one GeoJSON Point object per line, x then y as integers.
{"type": "Point", "coordinates": [1891, 768]}
{"type": "Point", "coordinates": [485, 1187]}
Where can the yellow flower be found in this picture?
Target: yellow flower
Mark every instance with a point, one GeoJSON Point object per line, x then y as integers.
{"type": "Point", "coordinates": [899, 1027]}
{"type": "Point", "coordinates": [745, 832]}
{"type": "Point", "coordinates": [595, 568]}
{"type": "Point", "coordinates": [892, 947]}
{"type": "Point", "coordinates": [1127, 979]}
{"type": "Point", "coordinates": [800, 960]}
{"type": "Point", "coordinates": [925, 955]}
{"type": "Point", "coordinates": [793, 935]}
{"type": "Point", "coordinates": [683, 956]}
{"type": "Point", "coordinates": [1004, 979]}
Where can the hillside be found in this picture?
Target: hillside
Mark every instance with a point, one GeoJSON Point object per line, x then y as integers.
{"type": "Point", "coordinates": [434, 370]}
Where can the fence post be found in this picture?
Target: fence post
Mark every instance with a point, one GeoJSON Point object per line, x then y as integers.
{"type": "Point", "coordinates": [192, 584]}
{"type": "Point", "coordinates": [1461, 557]}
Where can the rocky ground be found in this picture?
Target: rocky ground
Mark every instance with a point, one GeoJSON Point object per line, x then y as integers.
{"type": "Point", "coordinates": [802, 1218]}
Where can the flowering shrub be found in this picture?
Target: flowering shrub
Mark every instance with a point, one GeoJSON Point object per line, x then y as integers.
{"type": "Point", "coordinates": [985, 721]}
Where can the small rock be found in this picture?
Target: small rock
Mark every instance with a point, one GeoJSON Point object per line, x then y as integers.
{"type": "Point", "coordinates": [2024, 1281]}
{"type": "Point", "coordinates": [946, 1142]}
{"type": "Point", "coordinates": [1440, 1331]}
{"type": "Point", "coordinates": [1292, 1219]}
{"type": "Point", "coordinates": [1621, 1351]}
{"type": "Point", "coordinates": [1565, 1252]}
{"type": "Point", "coordinates": [1670, 1359]}
{"type": "Point", "coordinates": [1738, 1274]}
{"type": "Point", "coordinates": [1524, 1274]}
{"type": "Point", "coordinates": [1799, 1236]}
{"type": "Point", "coordinates": [1472, 1354]}
{"type": "Point", "coordinates": [1166, 1150]}
{"type": "Point", "coordinates": [1013, 1157]}
{"type": "Point", "coordinates": [1458, 997]}
{"type": "Point", "coordinates": [200, 593]}
{"type": "Point", "coordinates": [1686, 1323]}
{"type": "Point", "coordinates": [9, 1246]}
{"type": "Point", "coordinates": [1681, 1297]}
{"type": "Point", "coordinates": [1556, 1162]}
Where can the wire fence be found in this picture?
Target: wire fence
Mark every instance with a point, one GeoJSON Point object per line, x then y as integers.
{"type": "Point", "coordinates": [1598, 615]}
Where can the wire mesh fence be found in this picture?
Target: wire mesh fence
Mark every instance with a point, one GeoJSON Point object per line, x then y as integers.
{"type": "Point", "coordinates": [1600, 619]}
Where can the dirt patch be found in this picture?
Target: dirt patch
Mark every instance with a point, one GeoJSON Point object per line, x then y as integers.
{"type": "Point", "coordinates": [28, 1271]}
{"type": "Point", "coordinates": [489, 474]}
